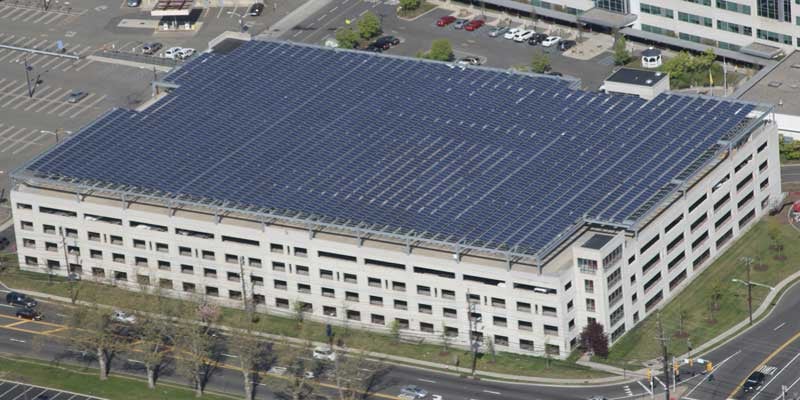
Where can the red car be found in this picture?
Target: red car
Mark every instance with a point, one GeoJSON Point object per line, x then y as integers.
{"type": "Point", "coordinates": [474, 24]}
{"type": "Point", "coordinates": [446, 20]}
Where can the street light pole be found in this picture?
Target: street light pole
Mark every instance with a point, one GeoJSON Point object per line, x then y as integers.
{"type": "Point", "coordinates": [28, 69]}
{"type": "Point", "coordinates": [748, 262]}
{"type": "Point", "coordinates": [241, 20]}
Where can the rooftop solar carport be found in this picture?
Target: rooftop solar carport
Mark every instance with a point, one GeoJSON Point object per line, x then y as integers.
{"type": "Point", "coordinates": [421, 152]}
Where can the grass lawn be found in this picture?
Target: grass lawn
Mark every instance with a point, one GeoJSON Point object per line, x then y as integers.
{"type": "Point", "coordinates": [639, 344]}
{"type": "Point", "coordinates": [503, 362]}
{"type": "Point", "coordinates": [85, 381]}
{"type": "Point", "coordinates": [408, 14]}
{"type": "Point", "coordinates": [702, 78]}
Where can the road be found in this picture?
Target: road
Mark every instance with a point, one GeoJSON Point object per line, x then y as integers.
{"type": "Point", "coordinates": [772, 346]}
{"type": "Point", "coordinates": [790, 173]}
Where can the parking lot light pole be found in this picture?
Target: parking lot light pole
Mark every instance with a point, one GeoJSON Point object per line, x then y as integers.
{"type": "Point", "coordinates": [750, 285]}
{"type": "Point", "coordinates": [52, 133]}
{"type": "Point", "coordinates": [241, 20]}
{"type": "Point", "coordinates": [28, 70]}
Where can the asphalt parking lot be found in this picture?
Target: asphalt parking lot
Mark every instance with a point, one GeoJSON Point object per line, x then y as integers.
{"type": "Point", "coordinates": [418, 34]}
{"type": "Point", "coordinates": [20, 391]}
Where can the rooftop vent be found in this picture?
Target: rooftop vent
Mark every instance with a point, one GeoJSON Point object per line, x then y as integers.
{"type": "Point", "coordinates": [775, 84]}
{"type": "Point", "coordinates": [796, 66]}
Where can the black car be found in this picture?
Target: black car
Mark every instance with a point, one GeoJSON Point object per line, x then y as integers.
{"type": "Point", "coordinates": [256, 9]}
{"type": "Point", "coordinates": [29, 313]}
{"type": "Point", "coordinates": [537, 38]}
{"type": "Point", "coordinates": [565, 45]}
{"type": "Point", "coordinates": [387, 42]}
{"type": "Point", "coordinates": [20, 299]}
{"type": "Point", "coordinates": [374, 48]}
{"type": "Point", "coordinates": [753, 382]}
{"type": "Point", "coordinates": [553, 73]}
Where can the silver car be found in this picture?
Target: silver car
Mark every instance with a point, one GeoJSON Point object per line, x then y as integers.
{"type": "Point", "coordinates": [414, 391]}
{"type": "Point", "coordinates": [498, 31]}
{"type": "Point", "coordinates": [76, 96]}
{"type": "Point", "coordinates": [459, 24]}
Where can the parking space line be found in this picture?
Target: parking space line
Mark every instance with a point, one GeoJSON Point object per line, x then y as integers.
{"type": "Point", "coordinates": [28, 98]}
{"type": "Point", "coordinates": [17, 17]}
{"type": "Point", "coordinates": [13, 94]}
{"type": "Point", "coordinates": [52, 60]}
{"type": "Point", "coordinates": [6, 87]}
{"type": "Point", "coordinates": [37, 20]}
{"type": "Point", "coordinates": [13, 142]}
{"type": "Point", "coordinates": [20, 395]}
{"type": "Point", "coordinates": [89, 106]}
{"type": "Point", "coordinates": [48, 102]}
{"type": "Point", "coordinates": [85, 64]}
{"type": "Point", "coordinates": [25, 143]}
{"type": "Point", "coordinates": [51, 20]}
{"type": "Point", "coordinates": [75, 106]}
{"type": "Point", "coordinates": [7, 129]}
{"type": "Point", "coordinates": [60, 104]}
{"type": "Point", "coordinates": [12, 388]}
{"type": "Point", "coordinates": [47, 98]}
{"type": "Point", "coordinates": [31, 16]}
{"type": "Point", "coordinates": [12, 13]}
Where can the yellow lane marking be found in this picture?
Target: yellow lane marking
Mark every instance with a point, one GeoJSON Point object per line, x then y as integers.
{"type": "Point", "coordinates": [20, 322]}
{"type": "Point", "coordinates": [52, 331]}
{"type": "Point", "coordinates": [764, 362]}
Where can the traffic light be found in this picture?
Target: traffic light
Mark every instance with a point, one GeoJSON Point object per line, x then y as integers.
{"type": "Point", "coordinates": [675, 367]}
{"type": "Point", "coordinates": [709, 366]}
{"type": "Point", "coordinates": [691, 362]}
{"type": "Point", "coordinates": [649, 375]}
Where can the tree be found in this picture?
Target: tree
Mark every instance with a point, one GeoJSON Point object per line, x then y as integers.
{"type": "Point", "coordinates": [594, 339]}
{"type": "Point", "coordinates": [92, 331]}
{"type": "Point", "coordinates": [394, 330]}
{"type": "Point", "coordinates": [410, 4]}
{"type": "Point", "coordinates": [199, 348]}
{"type": "Point", "coordinates": [683, 315]}
{"type": "Point", "coordinates": [156, 334]}
{"type": "Point", "coordinates": [355, 375]}
{"type": "Point", "coordinates": [445, 340]}
{"type": "Point", "coordinates": [299, 310]}
{"type": "Point", "coordinates": [540, 63]}
{"type": "Point", "coordinates": [253, 354]}
{"type": "Point", "coordinates": [621, 54]}
{"type": "Point", "coordinates": [369, 26]}
{"type": "Point", "coordinates": [490, 348]}
{"type": "Point", "coordinates": [441, 50]}
{"type": "Point", "coordinates": [302, 370]}
{"type": "Point", "coordinates": [347, 38]}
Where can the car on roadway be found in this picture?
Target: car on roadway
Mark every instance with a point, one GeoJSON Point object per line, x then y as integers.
{"type": "Point", "coordinates": [551, 40]}
{"type": "Point", "coordinates": [446, 20]}
{"type": "Point", "coordinates": [537, 38]}
{"type": "Point", "coordinates": [29, 313]}
{"type": "Point", "coordinates": [498, 31]}
{"type": "Point", "coordinates": [415, 391]}
{"type": "Point", "coordinates": [523, 36]}
{"type": "Point", "coordinates": [123, 317]}
{"type": "Point", "coordinates": [19, 299]}
{"type": "Point", "coordinates": [511, 33]}
{"type": "Point", "coordinates": [171, 52]}
{"type": "Point", "coordinates": [753, 382]}
{"type": "Point", "coordinates": [151, 48]}
{"type": "Point", "coordinates": [474, 25]}
{"type": "Point", "coordinates": [185, 52]}
{"type": "Point", "coordinates": [460, 23]}
{"type": "Point", "coordinates": [387, 42]}
{"type": "Point", "coordinates": [469, 61]}
{"type": "Point", "coordinates": [76, 96]}
{"type": "Point", "coordinates": [256, 9]}
{"type": "Point", "coordinates": [277, 370]}
{"type": "Point", "coordinates": [567, 44]}
{"type": "Point", "coordinates": [324, 353]}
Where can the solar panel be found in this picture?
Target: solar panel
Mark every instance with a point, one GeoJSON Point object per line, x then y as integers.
{"type": "Point", "coordinates": [499, 159]}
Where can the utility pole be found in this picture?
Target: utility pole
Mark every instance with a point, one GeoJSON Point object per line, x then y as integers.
{"type": "Point", "coordinates": [665, 355]}
{"type": "Point", "coordinates": [748, 261]}
{"type": "Point", "coordinates": [473, 341]}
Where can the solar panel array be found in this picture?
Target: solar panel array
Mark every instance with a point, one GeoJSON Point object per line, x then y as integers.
{"type": "Point", "coordinates": [482, 157]}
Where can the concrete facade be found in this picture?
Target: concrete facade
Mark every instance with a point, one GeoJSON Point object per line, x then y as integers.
{"type": "Point", "coordinates": [614, 276]}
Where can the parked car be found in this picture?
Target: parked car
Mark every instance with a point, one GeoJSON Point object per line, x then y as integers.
{"type": "Point", "coordinates": [469, 61]}
{"type": "Point", "coordinates": [256, 9]}
{"type": "Point", "coordinates": [19, 299]}
{"type": "Point", "coordinates": [554, 73]}
{"type": "Point", "coordinates": [324, 353]}
{"type": "Point", "coordinates": [76, 96]}
{"type": "Point", "coordinates": [29, 313]}
{"type": "Point", "coordinates": [537, 38]}
{"type": "Point", "coordinates": [460, 23]}
{"type": "Point", "coordinates": [523, 36]}
{"type": "Point", "coordinates": [386, 42]}
{"type": "Point", "coordinates": [133, 3]}
{"type": "Point", "coordinates": [372, 47]}
{"type": "Point", "coordinates": [123, 317]}
{"type": "Point", "coordinates": [415, 391]}
{"type": "Point", "coordinates": [551, 40]}
{"type": "Point", "coordinates": [446, 20]}
{"type": "Point", "coordinates": [171, 52]}
{"type": "Point", "coordinates": [753, 382]}
{"type": "Point", "coordinates": [474, 25]}
{"type": "Point", "coordinates": [185, 53]}
{"type": "Point", "coordinates": [497, 31]}
{"type": "Point", "coordinates": [151, 48]}
{"type": "Point", "coordinates": [566, 45]}
{"type": "Point", "coordinates": [511, 33]}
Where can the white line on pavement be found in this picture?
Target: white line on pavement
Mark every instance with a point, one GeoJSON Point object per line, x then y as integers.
{"type": "Point", "coordinates": [94, 103]}
{"type": "Point", "coordinates": [646, 389]}
{"type": "Point", "coordinates": [775, 376]}
{"type": "Point", "coordinates": [426, 380]}
{"type": "Point", "coordinates": [716, 367]}
{"type": "Point", "coordinates": [321, 17]}
{"type": "Point", "coordinates": [16, 340]}
{"type": "Point", "coordinates": [229, 355]}
{"type": "Point", "coordinates": [135, 361]}
{"type": "Point", "coordinates": [6, 305]}
{"type": "Point", "coordinates": [492, 392]}
{"type": "Point", "coordinates": [779, 326]}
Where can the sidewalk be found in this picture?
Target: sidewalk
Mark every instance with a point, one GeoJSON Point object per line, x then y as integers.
{"type": "Point", "coordinates": [404, 361]}
{"type": "Point", "coordinates": [292, 19]}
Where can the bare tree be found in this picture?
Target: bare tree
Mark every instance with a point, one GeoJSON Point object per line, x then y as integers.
{"type": "Point", "coordinates": [302, 370]}
{"type": "Point", "coordinates": [355, 375]}
{"type": "Point", "coordinates": [253, 353]}
{"type": "Point", "coordinates": [197, 347]}
{"type": "Point", "coordinates": [156, 333]}
{"type": "Point", "coordinates": [93, 331]}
